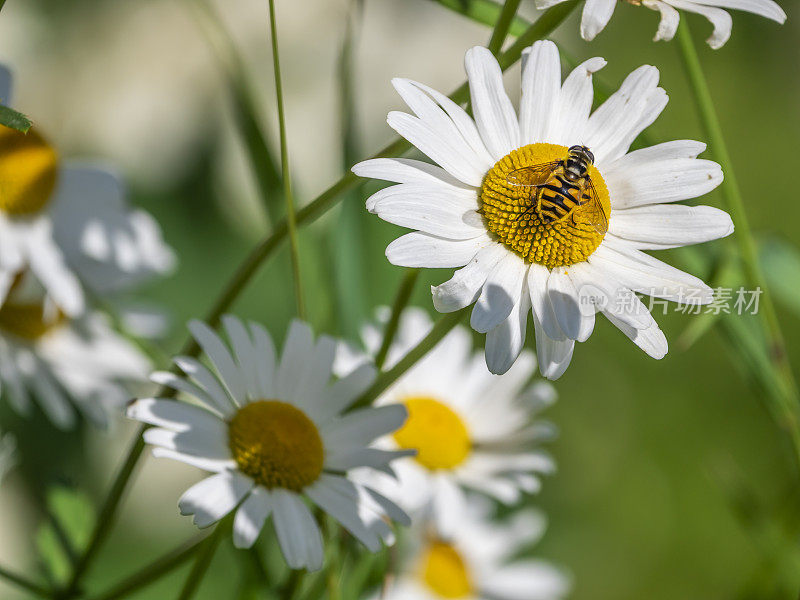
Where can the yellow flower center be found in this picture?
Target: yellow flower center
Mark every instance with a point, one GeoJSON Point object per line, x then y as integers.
{"type": "Point", "coordinates": [28, 320]}
{"type": "Point", "coordinates": [276, 444]}
{"type": "Point", "coordinates": [28, 169]}
{"type": "Point", "coordinates": [436, 432]}
{"type": "Point", "coordinates": [445, 572]}
{"type": "Point", "coordinates": [509, 212]}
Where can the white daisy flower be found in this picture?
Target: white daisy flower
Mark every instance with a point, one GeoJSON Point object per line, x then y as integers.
{"type": "Point", "coordinates": [472, 211]}
{"type": "Point", "coordinates": [275, 432]}
{"type": "Point", "coordinates": [8, 454]}
{"type": "Point", "coordinates": [476, 562]}
{"type": "Point", "coordinates": [597, 14]}
{"type": "Point", "coordinates": [67, 222]}
{"type": "Point", "coordinates": [469, 428]}
{"type": "Point", "coordinates": [59, 361]}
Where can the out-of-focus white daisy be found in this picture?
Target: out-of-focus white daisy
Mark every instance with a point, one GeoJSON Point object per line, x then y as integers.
{"type": "Point", "coordinates": [470, 212]}
{"type": "Point", "coordinates": [476, 562]}
{"type": "Point", "coordinates": [8, 454]}
{"type": "Point", "coordinates": [274, 431]}
{"type": "Point", "coordinates": [64, 222]}
{"type": "Point", "coordinates": [56, 360]}
{"type": "Point", "coordinates": [471, 429]}
{"type": "Point", "coordinates": [597, 14]}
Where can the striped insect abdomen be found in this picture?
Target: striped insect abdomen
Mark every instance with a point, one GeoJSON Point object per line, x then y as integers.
{"type": "Point", "coordinates": [557, 197]}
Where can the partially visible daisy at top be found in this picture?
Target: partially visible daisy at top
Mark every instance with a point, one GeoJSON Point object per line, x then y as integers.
{"type": "Point", "coordinates": [63, 363]}
{"type": "Point", "coordinates": [471, 430]}
{"type": "Point", "coordinates": [597, 14]}
{"type": "Point", "coordinates": [68, 223]}
{"type": "Point", "coordinates": [275, 431]}
{"type": "Point", "coordinates": [477, 561]}
{"type": "Point", "coordinates": [546, 213]}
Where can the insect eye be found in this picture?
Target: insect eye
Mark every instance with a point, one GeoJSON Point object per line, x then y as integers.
{"type": "Point", "coordinates": [575, 148]}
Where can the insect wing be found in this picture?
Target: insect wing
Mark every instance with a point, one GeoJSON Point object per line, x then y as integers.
{"type": "Point", "coordinates": [593, 210]}
{"type": "Point", "coordinates": [533, 176]}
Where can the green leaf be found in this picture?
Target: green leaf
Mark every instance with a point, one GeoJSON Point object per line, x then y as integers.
{"type": "Point", "coordinates": [67, 531]}
{"type": "Point", "coordinates": [780, 261]}
{"type": "Point", "coordinates": [484, 11]}
{"type": "Point", "coordinates": [13, 119]}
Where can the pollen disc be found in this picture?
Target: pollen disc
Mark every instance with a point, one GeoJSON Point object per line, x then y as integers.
{"type": "Point", "coordinates": [509, 212]}
{"type": "Point", "coordinates": [28, 170]}
{"type": "Point", "coordinates": [276, 444]}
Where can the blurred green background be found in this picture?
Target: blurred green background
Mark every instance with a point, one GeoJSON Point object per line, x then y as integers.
{"type": "Point", "coordinates": [673, 480]}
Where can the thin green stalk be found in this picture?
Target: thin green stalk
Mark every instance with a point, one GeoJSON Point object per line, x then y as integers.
{"type": "Point", "coordinates": [262, 164]}
{"type": "Point", "coordinates": [484, 11]}
{"type": "Point", "coordinates": [148, 574]}
{"type": "Point", "coordinates": [2, 4]}
{"type": "Point", "coordinates": [291, 589]}
{"type": "Point", "coordinates": [400, 302]}
{"type": "Point", "coordinates": [248, 267]}
{"type": "Point", "coordinates": [287, 180]}
{"type": "Point", "coordinates": [732, 195]}
{"type": "Point", "coordinates": [21, 581]}
{"type": "Point", "coordinates": [204, 555]}
{"type": "Point", "coordinates": [502, 25]}
{"type": "Point", "coordinates": [441, 328]}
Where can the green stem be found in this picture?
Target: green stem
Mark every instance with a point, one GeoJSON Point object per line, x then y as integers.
{"type": "Point", "coordinates": [151, 572]}
{"type": "Point", "coordinates": [441, 328]}
{"type": "Point", "coordinates": [291, 589]}
{"type": "Point", "coordinates": [287, 180]}
{"type": "Point", "coordinates": [201, 564]}
{"type": "Point", "coordinates": [262, 163]}
{"type": "Point", "coordinates": [502, 25]}
{"type": "Point", "coordinates": [400, 302]}
{"type": "Point", "coordinates": [732, 195]}
{"type": "Point", "coordinates": [483, 11]}
{"type": "Point", "coordinates": [21, 581]}
{"type": "Point", "coordinates": [248, 267]}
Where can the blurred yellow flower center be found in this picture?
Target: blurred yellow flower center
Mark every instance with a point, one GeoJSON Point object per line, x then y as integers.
{"type": "Point", "coordinates": [28, 168]}
{"type": "Point", "coordinates": [28, 320]}
{"type": "Point", "coordinates": [509, 212]}
{"type": "Point", "coordinates": [445, 572]}
{"type": "Point", "coordinates": [276, 444]}
{"type": "Point", "coordinates": [436, 432]}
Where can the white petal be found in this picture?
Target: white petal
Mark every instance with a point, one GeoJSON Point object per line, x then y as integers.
{"type": "Point", "coordinates": [652, 155]}
{"type": "Point", "coordinates": [428, 251]}
{"type": "Point", "coordinates": [207, 464]}
{"type": "Point", "coordinates": [719, 19]}
{"type": "Point", "coordinates": [670, 225]}
{"type": "Point", "coordinates": [438, 120]}
{"type": "Point", "coordinates": [296, 351]}
{"type": "Point", "coordinates": [540, 301]}
{"type": "Point", "coordinates": [361, 427]}
{"type": "Point", "coordinates": [465, 285]}
{"type": "Point", "coordinates": [765, 8]}
{"type": "Point", "coordinates": [670, 18]}
{"type": "Point", "coordinates": [662, 181]}
{"type": "Point", "coordinates": [214, 497]}
{"type": "Point", "coordinates": [339, 498]}
{"type": "Point", "coordinates": [652, 340]}
{"type": "Point", "coordinates": [541, 87]}
{"type": "Point", "coordinates": [250, 517]}
{"type": "Point", "coordinates": [575, 103]}
{"type": "Point", "coordinates": [647, 275]}
{"type": "Point", "coordinates": [265, 359]}
{"type": "Point", "coordinates": [47, 262]}
{"type": "Point", "coordinates": [566, 303]}
{"type": "Point", "coordinates": [494, 113]}
{"type": "Point", "coordinates": [221, 358]}
{"type": "Point", "coordinates": [174, 415]}
{"type": "Point", "coordinates": [554, 356]}
{"type": "Point", "coordinates": [429, 209]}
{"type": "Point", "coordinates": [170, 380]}
{"type": "Point", "coordinates": [298, 533]}
{"type": "Point", "coordinates": [406, 170]}
{"type": "Point", "coordinates": [196, 442]}
{"type": "Point", "coordinates": [207, 381]}
{"type": "Point", "coordinates": [344, 392]}
{"type": "Point", "coordinates": [527, 580]}
{"type": "Point", "coordinates": [446, 152]}
{"type": "Point", "coordinates": [504, 343]}
{"type": "Point", "coordinates": [245, 353]}
{"type": "Point", "coordinates": [596, 15]}
{"type": "Point", "coordinates": [499, 295]}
